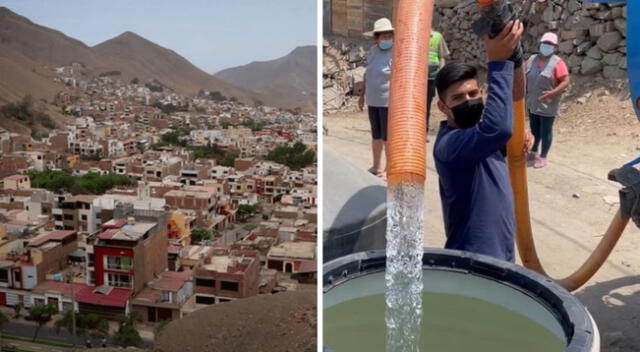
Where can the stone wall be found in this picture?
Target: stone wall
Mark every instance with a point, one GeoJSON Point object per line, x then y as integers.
{"type": "Point", "coordinates": [591, 36]}
{"type": "Point", "coordinates": [592, 41]}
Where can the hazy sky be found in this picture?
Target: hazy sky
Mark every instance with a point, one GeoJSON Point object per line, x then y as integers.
{"type": "Point", "coordinates": [212, 34]}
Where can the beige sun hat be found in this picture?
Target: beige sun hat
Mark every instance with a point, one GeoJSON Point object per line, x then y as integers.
{"type": "Point", "coordinates": [381, 25]}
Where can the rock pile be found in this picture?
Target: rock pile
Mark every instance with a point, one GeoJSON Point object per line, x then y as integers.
{"type": "Point", "coordinates": [344, 62]}
{"type": "Point", "coordinates": [592, 37]}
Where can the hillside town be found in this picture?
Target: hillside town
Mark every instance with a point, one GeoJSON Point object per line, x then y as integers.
{"type": "Point", "coordinates": [157, 203]}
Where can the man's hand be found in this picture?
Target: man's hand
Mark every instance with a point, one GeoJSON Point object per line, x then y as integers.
{"type": "Point", "coordinates": [501, 47]}
{"type": "Point", "coordinates": [528, 141]}
{"type": "Point", "coordinates": [546, 95]}
{"type": "Point", "coordinates": [361, 103]}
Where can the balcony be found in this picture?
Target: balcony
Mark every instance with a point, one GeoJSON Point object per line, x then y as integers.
{"type": "Point", "coordinates": [126, 268]}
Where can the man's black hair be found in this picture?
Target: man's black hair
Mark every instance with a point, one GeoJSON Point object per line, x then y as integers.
{"type": "Point", "coordinates": [453, 73]}
{"type": "Point", "coordinates": [377, 34]}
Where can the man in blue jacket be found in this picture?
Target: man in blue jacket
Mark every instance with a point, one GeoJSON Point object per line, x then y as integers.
{"type": "Point", "coordinates": [469, 151]}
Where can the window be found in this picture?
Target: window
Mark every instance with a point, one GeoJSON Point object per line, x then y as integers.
{"type": "Point", "coordinates": [83, 217]}
{"type": "Point", "coordinates": [16, 276]}
{"type": "Point", "coordinates": [205, 282]}
{"type": "Point", "coordinates": [228, 285]}
{"type": "Point", "coordinates": [68, 216]}
{"type": "Point", "coordinates": [4, 276]}
{"type": "Point", "coordinates": [205, 300]}
{"type": "Point", "coordinates": [118, 263]}
{"type": "Point", "coordinates": [116, 280]}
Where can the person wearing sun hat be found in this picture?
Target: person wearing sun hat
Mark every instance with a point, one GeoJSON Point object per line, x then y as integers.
{"type": "Point", "coordinates": [375, 92]}
{"type": "Point", "coordinates": [547, 79]}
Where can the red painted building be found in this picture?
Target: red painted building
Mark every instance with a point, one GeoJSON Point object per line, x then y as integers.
{"type": "Point", "coordinates": [128, 254]}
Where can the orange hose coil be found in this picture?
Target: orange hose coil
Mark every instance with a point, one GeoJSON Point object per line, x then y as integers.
{"type": "Point", "coordinates": [406, 145]}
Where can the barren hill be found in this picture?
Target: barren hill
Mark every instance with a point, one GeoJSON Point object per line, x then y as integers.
{"type": "Point", "coordinates": [42, 44]}
{"type": "Point", "coordinates": [290, 79]}
{"type": "Point", "coordinates": [136, 56]}
{"type": "Point", "coordinates": [25, 44]}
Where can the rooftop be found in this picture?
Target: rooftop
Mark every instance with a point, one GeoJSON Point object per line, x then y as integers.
{"type": "Point", "coordinates": [58, 287]}
{"type": "Point", "coordinates": [103, 296]}
{"type": "Point", "coordinates": [84, 198]}
{"type": "Point", "coordinates": [128, 232]}
{"type": "Point", "coordinates": [15, 177]}
{"type": "Point", "coordinates": [51, 236]}
{"type": "Point", "coordinates": [298, 250]}
{"type": "Point", "coordinates": [187, 193]}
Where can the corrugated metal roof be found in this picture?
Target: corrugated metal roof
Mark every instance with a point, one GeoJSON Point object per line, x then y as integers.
{"type": "Point", "coordinates": [117, 297]}
{"type": "Point", "coordinates": [53, 236]}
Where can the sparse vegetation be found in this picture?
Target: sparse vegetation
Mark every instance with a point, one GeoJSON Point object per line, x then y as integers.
{"type": "Point", "coordinates": [224, 158]}
{"type": "Point", "coordinates": [86, 324]}
{"type": "Point", "coordinates": [41, 315]}
{"type": "Point", "coordinates": [250, 227]}
{"type": "Point", "coordinates": [17, 309]}
{"type": "Point", "coordinates": [199, 235]}
{"type": "Point", "coordinates": [91, 183]}
{"type": "Point", "coordinates": [135, 80]}
{"type": "Point", "coordinates": [127, 334]}
{"type": "Point", "coordinates": [254, 125]}
{"type": "Point", "coordinates": [25, 112]}
{"type": "Point", "coordinates": [154, 88]}
{"type": "Point", "coordinates": [110, 73]}
{"type": "Point", "coordinates": [246, 210]}
{"type": "Point", "coordinates": [216, 96]}
{"type": "Point", "coordinates": [38, 135]}
{"type": "Point", "coordinates": [161, 325]}
{"type": "Point", "coordinates": [295, 157]}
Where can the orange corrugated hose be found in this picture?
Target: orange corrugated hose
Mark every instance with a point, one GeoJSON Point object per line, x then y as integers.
{"type": "Point", "coordinates": [406, 153]}
{"type": "Point", "coordinates": [524, 235]}
{"type": "Point", "coordinates": [526, 245]}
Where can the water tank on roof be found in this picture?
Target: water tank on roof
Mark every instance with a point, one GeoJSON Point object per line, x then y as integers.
{"type": "Point", "coordinates": [355, 211]}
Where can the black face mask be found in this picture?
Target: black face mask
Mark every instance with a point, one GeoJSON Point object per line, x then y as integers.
{"type": "Point", "coordinates": [468, 114]}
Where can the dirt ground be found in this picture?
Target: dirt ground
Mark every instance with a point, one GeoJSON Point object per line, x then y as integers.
{"type": "Point", "coordinates": [282, 322]}
{"type": "Point", "coordinates": [571, 202]}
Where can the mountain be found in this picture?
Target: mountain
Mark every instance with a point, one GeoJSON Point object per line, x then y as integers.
{"type": "Point", "coordinates": [135, 56]}
{"type": "Point", "coordinates": [25, 44]}
{"type": "Point", "coordinates": [42, 44]}
{"type": "Point", "coordinates": [290, 79]}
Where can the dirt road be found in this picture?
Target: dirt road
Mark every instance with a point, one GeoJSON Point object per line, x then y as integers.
{"type": "Point", "coordinates": [571, 203]}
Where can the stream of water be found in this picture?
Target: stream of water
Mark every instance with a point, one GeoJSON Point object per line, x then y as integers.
{"type": "Point", "coordinates": [404, 267]}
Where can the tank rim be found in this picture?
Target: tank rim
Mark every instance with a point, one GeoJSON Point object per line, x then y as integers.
{"type": "Point", "coordinates": [566, 308]}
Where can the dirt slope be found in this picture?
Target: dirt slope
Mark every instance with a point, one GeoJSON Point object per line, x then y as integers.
{"type": "Point", "coordinates": [282, 322]}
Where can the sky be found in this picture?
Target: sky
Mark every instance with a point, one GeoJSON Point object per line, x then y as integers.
{"type": "Point", "coordinates": [212, 34]}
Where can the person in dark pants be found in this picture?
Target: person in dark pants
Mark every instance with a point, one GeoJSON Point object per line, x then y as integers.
{"type": "Point", "coordinates": [547, 79]}
{"type": "Point", "coordinates": [475, 190]}
{"type": "Point", "coordinates": [438, 51]}
{"type": "Point", "coordinates": [376, 90]}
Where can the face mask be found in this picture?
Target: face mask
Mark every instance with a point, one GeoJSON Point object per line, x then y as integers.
{"type": "Point", "coordinates": [468, 114]}
{"type": "Point", "coordinates": [385, 44]}
{"type": "Point", "coordinates": [546, 49]}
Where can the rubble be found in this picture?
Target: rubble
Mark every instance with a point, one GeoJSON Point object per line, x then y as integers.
{"type": "Point", "coordinates": [344, 62]}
